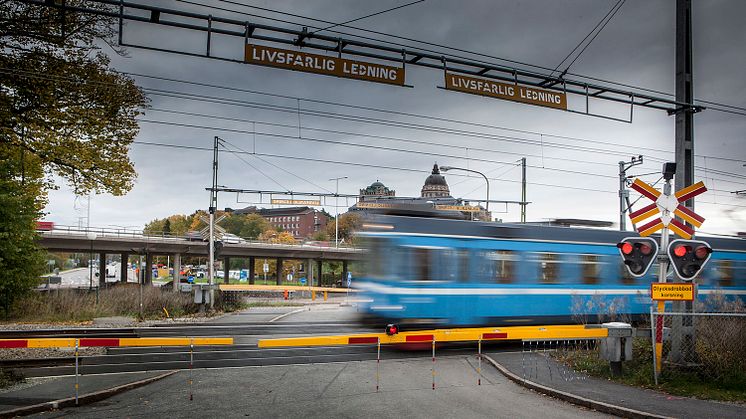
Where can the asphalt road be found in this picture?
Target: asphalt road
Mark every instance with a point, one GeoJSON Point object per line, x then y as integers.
{"type": "Point", "coordinates": [80, 277]}
{"type": "Point", "coordinates": [325, 382]}
{"type": "Point", "coordinates": [335, 390]}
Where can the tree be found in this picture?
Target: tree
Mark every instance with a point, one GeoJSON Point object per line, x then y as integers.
{"type": "Point", "coordinates": [248, 226]}
{"type": "Point", "coordinates": [167, 227]}
{"type": "Point", "coordinates": [64, 114]}
{"type": "Point", "coordinates": [272, 236]}
{"type": "Point", "coordinates": [21, 260]}
{"type": "Point", "coordinates": [349, 223]}
{"type": "Point", "coordinates": [60, 101]}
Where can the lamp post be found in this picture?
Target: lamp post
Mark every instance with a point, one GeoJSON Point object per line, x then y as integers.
{"type": "Point", "coordinates": [336, 210]}
{"type": "Point", "coordinates": [487, 203]}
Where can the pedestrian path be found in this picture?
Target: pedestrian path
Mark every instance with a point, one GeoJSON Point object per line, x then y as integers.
{"type": "Point", "coordinates": [539, 369]}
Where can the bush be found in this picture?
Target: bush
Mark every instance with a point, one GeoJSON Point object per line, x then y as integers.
{"type": "Point", "coordinates": [120, 300]}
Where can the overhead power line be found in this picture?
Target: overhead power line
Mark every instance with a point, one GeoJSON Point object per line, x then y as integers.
{"type": "Point", "coordinates": [371, 109]}
{"type": "Point", "coordinates": [569, 54]}
{"type": "Point", "coordinates": [393, 168]}
{"type": "Point", "coordinates": [732, 108]}
{"type": "Point", "coordinates": [367, 16]}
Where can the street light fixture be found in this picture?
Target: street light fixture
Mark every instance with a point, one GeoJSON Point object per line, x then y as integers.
{"type": "Point", "coordinates": [487, 202]}
{"type": "Point", "coordinates": [336, 210]}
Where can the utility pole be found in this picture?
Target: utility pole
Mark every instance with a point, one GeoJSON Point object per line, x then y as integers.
{"type": "Point", "coordinates": [212, 208]}
{"type": "Point", "coordinates": [336, 210]}
{"type": "Point", "coordinates": [623, 192]}
{"type": "Point", "coordinates": [684, 132]}
{"type": "Point", "coordinates": [523, 189]}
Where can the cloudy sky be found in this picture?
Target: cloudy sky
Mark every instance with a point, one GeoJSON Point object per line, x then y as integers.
{"type": "Point", "coordinates": [572, 159]}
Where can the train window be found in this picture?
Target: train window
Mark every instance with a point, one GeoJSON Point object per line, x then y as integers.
{"type": "Point", "coordinates": [502, 266]}
{"type": "Point", "coordinates": [494, 266]}
{"type": "Point", "coordinates": [376, 265]}
{"type": "Point", "coordinates": [591, 268]}
{"type": "Point", "coordinates": [725, 273]}
{"type": "Point", "coordinates": [422, 260]}
{"type": "Point", "coordinates": [550, 267]}
{"type": "Point", "coordinates": [449, 265]}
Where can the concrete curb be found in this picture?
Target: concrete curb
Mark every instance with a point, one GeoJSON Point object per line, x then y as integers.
{"type": "Point", "coordinates": [82, 399]}
{"type": "Point", "coordinates": [573, 398]}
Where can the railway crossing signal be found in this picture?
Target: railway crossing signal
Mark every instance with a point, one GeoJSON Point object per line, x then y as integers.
{"type": "Point", "coordinates": [688, 257]}
{"type": "Point", "coordinates": [667, 205]}
{"type": "Point", "coordinates": [638, 254]}
{"type": "Point", "coordinates": [392, 329]}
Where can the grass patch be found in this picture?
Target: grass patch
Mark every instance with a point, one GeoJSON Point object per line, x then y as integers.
{"type": "Point", "coordinates": [74, 306]}
{"type": "Point", "coordinates": [730, 386]}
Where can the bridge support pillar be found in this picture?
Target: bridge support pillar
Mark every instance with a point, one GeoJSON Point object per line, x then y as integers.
{"type": "Point", "coordinates": [344, 273]}
{"type": "Point", "coordinates": [319, 266]}
{"type": "Point", "coordinates": [310, 268]}
{"type": "Point", "coordinates": [101, 270]}
{"type": "Point", "coordinates": [124, 267]}
{"type": "Point", "coordinates": [148, 278]}
{"type": "Point", "coordinates": [226, 269]}
{"type": "Point", "coordinates": [177, 272]}
{"type": "Point", "coordinates": [252, 266]}
{"type": "Point", "coordinates": [279, 271]}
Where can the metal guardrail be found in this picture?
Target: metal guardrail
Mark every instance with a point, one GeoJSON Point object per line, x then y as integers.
{"type": "Point", "coordinates": [102, 232]}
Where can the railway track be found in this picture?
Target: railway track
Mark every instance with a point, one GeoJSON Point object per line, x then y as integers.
{"type": "Point", "coordinates": [155, 359]}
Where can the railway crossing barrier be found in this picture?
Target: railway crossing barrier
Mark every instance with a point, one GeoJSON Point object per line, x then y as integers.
{"type": "Point", "coordinates": [77, 343]}
{"type": "Point", "coordinates": [393, 336]}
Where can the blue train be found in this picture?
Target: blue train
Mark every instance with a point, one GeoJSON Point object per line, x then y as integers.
{"type": "Point", "coordinates": [424, 271]}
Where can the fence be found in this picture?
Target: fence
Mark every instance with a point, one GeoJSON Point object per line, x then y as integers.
{"type": "Point", "coordinates": [710, 345]}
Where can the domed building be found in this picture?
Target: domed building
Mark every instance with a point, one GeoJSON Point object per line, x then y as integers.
{"type": "Point", "coordinates": [375, 190]}
{"type": "Point", "coordinates": [435, 185]}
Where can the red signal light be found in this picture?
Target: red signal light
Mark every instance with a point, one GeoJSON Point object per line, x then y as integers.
{"type": "Point", "coordinates": [645, 249]}
{"type": "Point", "coordinates": [701, 252]}
{"type": "Point", "coordinates": [680, 251]}
{"type": "Point", "coordinates": [626, 248]}
{"type": "Point", "coordinates": [392, 329]}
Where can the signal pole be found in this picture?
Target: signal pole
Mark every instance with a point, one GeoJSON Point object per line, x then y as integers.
{"type": "Point", "coordinates": [523, 189]}
{"type": "Point", "coordinates": [213, 206]}
{"type": "Point", "coordinates": [684, 151]}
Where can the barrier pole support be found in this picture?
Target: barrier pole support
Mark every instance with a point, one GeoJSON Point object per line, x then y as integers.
{"type": "Point", "coordinates": [433, 362]}
{"type": "Point", "coordinates": [659, 337]}
{"type": "Point", "coordinates": [326, 295]}
{"type": "Point", "coordinates": [191, 367]}
{"type": "Point", "coordinates": [313, 295]}
{"type": "Point", "coordinates": [479, 362]}
{"type": "Point", "coordinates": [77, 383]}
{"type": "Point", "coordinates": [378, 364]}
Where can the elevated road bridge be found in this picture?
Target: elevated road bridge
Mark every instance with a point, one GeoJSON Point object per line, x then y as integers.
{"type": "Point", "coordinates": [128, 243]}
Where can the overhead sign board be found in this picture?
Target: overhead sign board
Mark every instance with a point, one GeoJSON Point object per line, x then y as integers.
{"type": "Point", "coordinates": [463, 208]}
{"type": "Point", "coordinates": [507, 91]}
{"type": "Point", "coordinates": [671, 292]}
{"type": "Point", "coordinates": [322, 64]}
{"type": "Point", "coordinates": [374, 205]}
{"type": "Point", "coordinates": [296, 202]}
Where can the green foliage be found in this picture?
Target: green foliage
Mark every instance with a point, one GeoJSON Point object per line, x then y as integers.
{"type": "Point", "coordinates": [176, 225]}
{"type": "Point", "coordinates": [349, 223]}
{"type": "Point", "coordinates": [678, 381]}
{"type": "Point", "coordinates": [249, 226]}
{"type": "Point", "coordinates": [60, 102]}
{"type": "Point", "coordinates": [21, 260]}
{"type": "Point", "coordinates": [63, 114]}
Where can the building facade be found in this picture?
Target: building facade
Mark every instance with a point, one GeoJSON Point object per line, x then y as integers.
{"type": "Point", "coordinates": [301, 222]}
{"type": "Point", "coordinates": [434, 195]}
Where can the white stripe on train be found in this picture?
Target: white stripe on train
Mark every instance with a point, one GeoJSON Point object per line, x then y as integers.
{"type": "Point", "coordinates": [384, 289]}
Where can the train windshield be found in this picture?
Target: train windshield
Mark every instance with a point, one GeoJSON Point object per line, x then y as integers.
{"type": "Point", "coordinates": [380, 258]}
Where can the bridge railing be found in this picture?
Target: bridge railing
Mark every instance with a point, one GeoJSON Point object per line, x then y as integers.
{"type": "Point", "coordinates": [102, 232]}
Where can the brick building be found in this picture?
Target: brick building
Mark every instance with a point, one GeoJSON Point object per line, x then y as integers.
{"type": "Point", "coordinates": [299, 221]}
